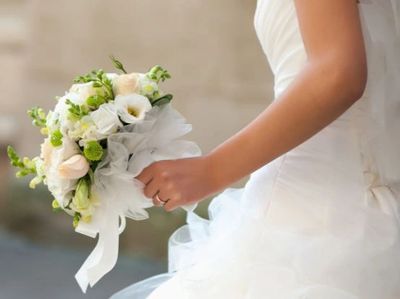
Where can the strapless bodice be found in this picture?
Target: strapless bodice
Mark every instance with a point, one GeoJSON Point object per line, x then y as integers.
{"type": "Point", "coordinates": [353, 137]}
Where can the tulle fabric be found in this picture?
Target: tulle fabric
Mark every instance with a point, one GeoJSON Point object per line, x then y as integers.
{"type": "Point", "coordinates": [119, 195]}
{"type": "Point", "coordinates": [321, 221]}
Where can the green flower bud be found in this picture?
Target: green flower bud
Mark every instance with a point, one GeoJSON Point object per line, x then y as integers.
{"type": "Point", "coordinates": [56, 138]}
{"type": "Point", "coordinates": [77, 218]}
{"type": "Point", "coordinates": [93, 151]}
{"type": "Point", "coordinates": [22, 173]}
{"type": "Point", "coordinates": [44, 131]}
{"type": "Point", "coordinates": [56, 206]}
{"type": "Point", "coordinates": [117, 64]}
{"type": "Point", "coordinates": [81, 198]}
{"type": "Point", "coordinates": [35, 181]}
{"type": "Point", "coordinates": [28, 163]}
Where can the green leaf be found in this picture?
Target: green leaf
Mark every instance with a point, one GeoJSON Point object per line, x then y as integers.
{"type": "Point", "coordinates": [95, 101]}
{"type": "Point", "coordinates": [163, 100]}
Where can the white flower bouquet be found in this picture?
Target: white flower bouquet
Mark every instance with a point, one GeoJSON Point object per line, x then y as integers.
{"type": "Point", "coordinates": [101, 134]}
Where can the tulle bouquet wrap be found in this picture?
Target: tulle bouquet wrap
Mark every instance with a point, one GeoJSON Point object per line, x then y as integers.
{"type": "Point", "coordinates": [100, 135]}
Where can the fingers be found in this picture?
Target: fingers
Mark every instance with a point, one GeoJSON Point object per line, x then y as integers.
{"type": "Point", "coordinates": [171, 205]}
{"type": "Point", "coordinates": [151, 189]}
{"type": "Point", "coordinates": [145, 176]}
{"type": "Point", "coordinates": [157, 182]}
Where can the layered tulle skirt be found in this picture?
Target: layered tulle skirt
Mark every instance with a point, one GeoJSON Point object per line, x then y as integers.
{"type": "Point", "coordinates": [299, 228]}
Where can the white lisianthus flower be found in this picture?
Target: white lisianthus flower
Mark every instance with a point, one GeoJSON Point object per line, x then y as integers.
{"type": "Point", "coordinates": [106, 119]}
{"type": "Point", "coordinates": [126, 84]}
{"type": "Point", "coordinates": [52, 158]}
{"type": "Point", "coordinates": [147, 87]}
{"type": "Point", "coordinates": [132, 108]}
{"type": "Point", "coordinates": [74, 168]}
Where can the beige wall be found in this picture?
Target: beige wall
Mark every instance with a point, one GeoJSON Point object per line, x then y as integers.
{"type": "Point", "coordinates": [221, 81]}
{"type": "Point", "coordinates": [220, 76]}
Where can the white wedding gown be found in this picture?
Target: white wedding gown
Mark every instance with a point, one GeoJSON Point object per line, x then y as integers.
{"type": "Point", "coordinates": [320, 222]}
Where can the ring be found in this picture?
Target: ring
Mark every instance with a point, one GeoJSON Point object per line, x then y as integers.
{"type": "Point", "coordinates": [163, 202]}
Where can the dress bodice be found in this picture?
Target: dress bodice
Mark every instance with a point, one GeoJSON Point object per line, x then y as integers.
{"type": "Point", "coordinates": [280, 40]}
{"type": "Point", "coordinates": [374, 119]}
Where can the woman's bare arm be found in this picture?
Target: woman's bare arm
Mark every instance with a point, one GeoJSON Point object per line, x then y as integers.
{"type": "Point", "coordinates": [332, 80]}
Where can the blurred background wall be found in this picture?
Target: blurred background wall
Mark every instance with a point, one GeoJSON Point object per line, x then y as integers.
{"type": "Point", "coordinates": [221, 81]}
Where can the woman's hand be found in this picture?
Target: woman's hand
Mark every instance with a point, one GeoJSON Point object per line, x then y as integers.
{"type": "Point", "coordinates": [178, 182]}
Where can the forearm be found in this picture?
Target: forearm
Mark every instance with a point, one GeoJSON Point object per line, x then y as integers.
{"type": "Point", "coordinates": [311, 102]}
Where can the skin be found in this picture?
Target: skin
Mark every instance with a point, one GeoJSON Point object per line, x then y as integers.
{"type": "Point", "coordinates": [332, 80]}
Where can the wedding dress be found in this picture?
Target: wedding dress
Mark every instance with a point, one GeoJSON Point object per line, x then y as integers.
{"type": "Point", "coordinates": [321, 221]}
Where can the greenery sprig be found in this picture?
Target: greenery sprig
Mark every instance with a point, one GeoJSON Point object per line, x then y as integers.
{"type": "Point", "coordinates": [100, 80]}
{"type": "Point", "coordinates": [76, 112]}
{"type": "Point", "coordinates": [25, 165]}
{"type": "Point", "coordinates": [38, 117]}
{"type": "Point", "coordinates": [95, 101]}
{"type": "Point", "coordinates": [157, 74]}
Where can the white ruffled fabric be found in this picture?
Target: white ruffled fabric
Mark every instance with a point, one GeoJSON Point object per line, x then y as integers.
{"type": "Point", "coordinates": [119, 194]}
{"type": "Point", "coordinates": [321, 221]}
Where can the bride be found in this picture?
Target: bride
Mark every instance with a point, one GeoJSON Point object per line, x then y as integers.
{"type": "Point", "coordinates": [319, 216]}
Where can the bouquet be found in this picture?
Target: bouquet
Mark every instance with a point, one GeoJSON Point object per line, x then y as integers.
{"type": "Point", "coordinates": [101, 134]}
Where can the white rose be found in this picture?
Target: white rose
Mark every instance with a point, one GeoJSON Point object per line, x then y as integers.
{"type": "Point", "coordinates": [83, 91]}
{"type": "Point", "coordinates": [106, 119]}
{"type": "Point", "coordinates": [126, 84]}
{"type": "Point", "coordinates": [112, 76]}
{"type": "Point", "coordinates": [53, 157]}
{"type": "Point", "coordinates": [132, 108]}
{"type": "Point", "coordinates": [74, 168]}
{"type": "Point", "coordinates": [59, 118]}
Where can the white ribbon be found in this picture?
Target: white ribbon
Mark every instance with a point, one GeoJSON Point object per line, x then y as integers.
{"type": "Point", "coordinates": [119, 194]}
